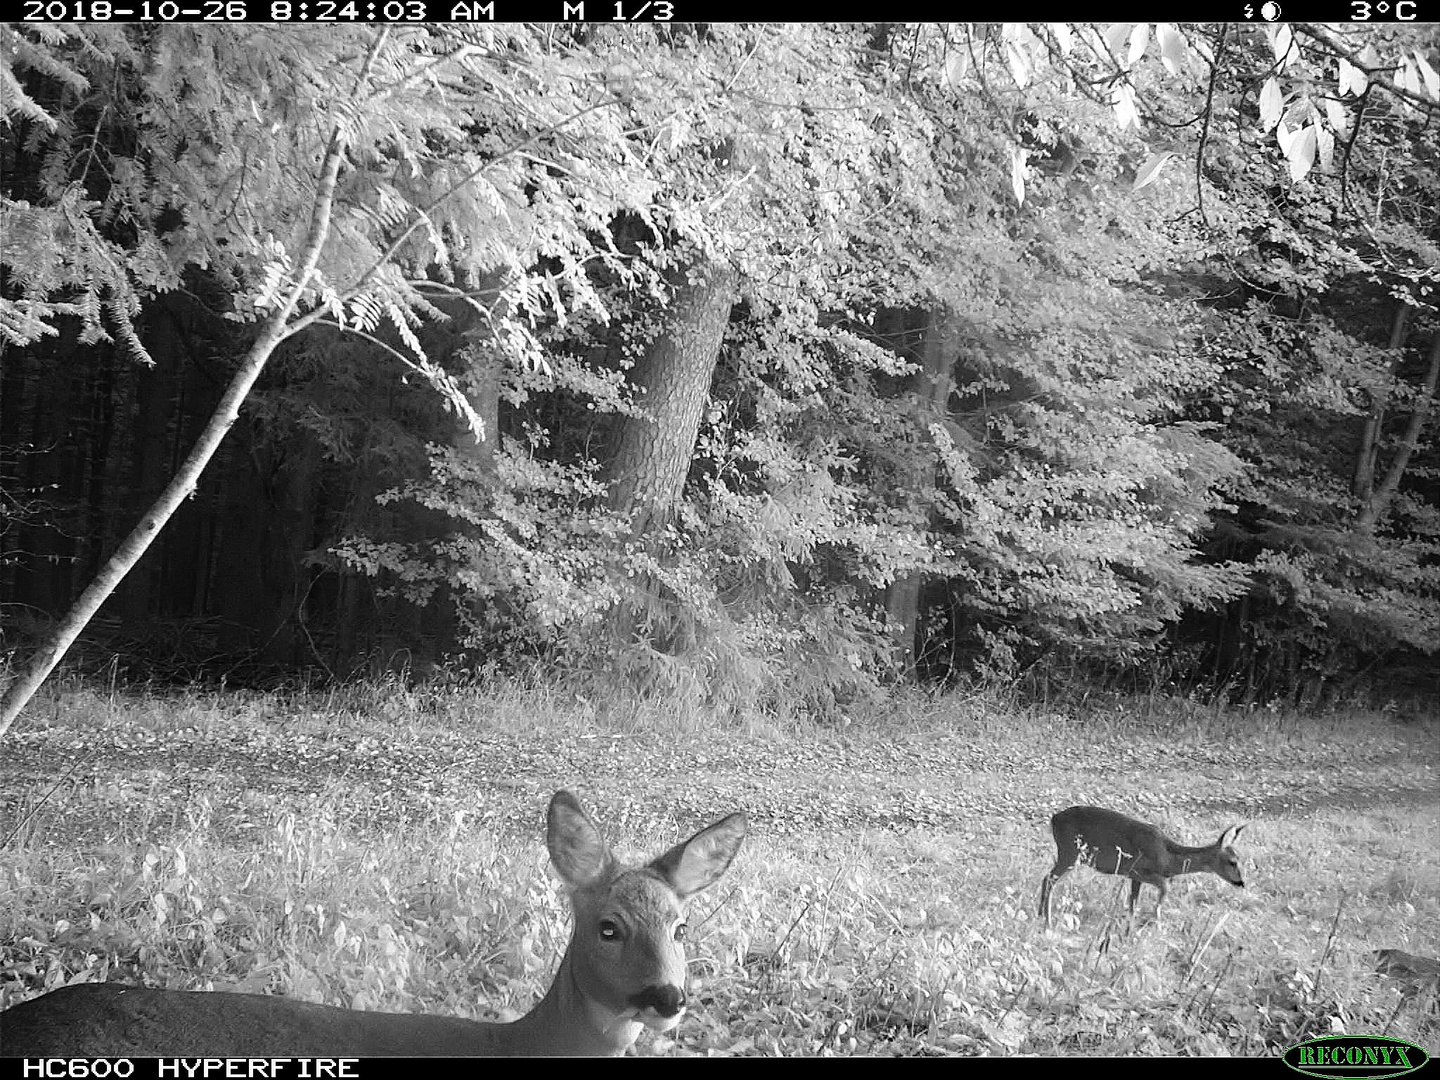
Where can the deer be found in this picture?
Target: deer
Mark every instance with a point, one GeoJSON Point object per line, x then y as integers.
{"type": "Point", "coordinates": [1114, 843]}
{"type": "Point", "coordinates": [623, 972]}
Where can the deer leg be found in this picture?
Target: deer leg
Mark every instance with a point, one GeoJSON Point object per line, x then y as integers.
{"type": "Point", "coordinates": [1059, 870]}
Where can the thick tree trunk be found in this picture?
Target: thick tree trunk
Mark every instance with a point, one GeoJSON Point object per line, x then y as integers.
{"type": "Point", "coordinates": [652, 454]}
{"type": "Point", "coordinates": [653, 449]}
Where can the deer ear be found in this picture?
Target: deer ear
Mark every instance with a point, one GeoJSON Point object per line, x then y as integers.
{"type": "Point", "coordinates": [1230, 835]}
{"type": "Point", "coordinates": [577, 849]}
{"type": "Point", "coordinates": [698, 862]}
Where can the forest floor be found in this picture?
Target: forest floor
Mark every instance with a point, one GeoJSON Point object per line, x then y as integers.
{"type": "Point", "coordinates": [346, 847]}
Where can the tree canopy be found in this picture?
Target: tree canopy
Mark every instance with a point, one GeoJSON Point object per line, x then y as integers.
{"type": "Point", "coordinates": [762, 363]}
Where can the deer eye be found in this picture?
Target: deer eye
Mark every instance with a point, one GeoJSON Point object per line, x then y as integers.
{"type": "Point", "coordinates": [680, 932]}
{"type": "Point", "coordinates": [609, 930]}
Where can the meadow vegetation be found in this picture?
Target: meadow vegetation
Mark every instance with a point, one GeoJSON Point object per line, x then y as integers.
{"type": "Point", "coordinates": [381, 847]}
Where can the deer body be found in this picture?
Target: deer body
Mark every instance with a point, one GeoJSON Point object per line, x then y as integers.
{"type": "Point", "coordinates": [1114, 843]}
{"type": "Point", "coordinates": [624, 970]}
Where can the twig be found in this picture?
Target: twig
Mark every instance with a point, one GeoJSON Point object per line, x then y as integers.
{"type": "Point", "coordinates": [1329, 940]}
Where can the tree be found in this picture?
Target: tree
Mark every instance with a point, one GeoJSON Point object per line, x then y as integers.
{"type": "Point", "coordinates": [230, 124]}
{"type": "Point", "coordinates": [814, 352]}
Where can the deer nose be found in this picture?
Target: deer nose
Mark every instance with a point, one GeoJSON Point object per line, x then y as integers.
{"type": "Point", "coordinates": [665, 1000]}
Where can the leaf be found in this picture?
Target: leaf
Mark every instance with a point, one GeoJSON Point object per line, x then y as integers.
{"type": "Point", "coordinates": [1282, 40]}
{"type": "Point", "coordinates": [1123, 100]}
{"type": "Point", "coordinates": [1115, 38]}
{"type": "Point", "coordinates": [956, 68]}
{"type": "Point", "coordinates": [1017, 174]}
{"type": "Point", "coordinates": [1019, 65]}
{"type": "Point", "coordinates": [1139, 38]}
{"type": "Point", "coordinates": [1172, 47]}
{"type": "Point", "coordinates": [1023, 52]}
{"type": "Point", "coordinates": [1336, 114]}
{"type": "Point", "coordinates": [1299, 148]}
{"type": "Point", "coordinates": [1351, 78]}
{"type": "Point", "coordinates": [1271, 102]}
{"type": "Point", "coordinates": [1409, 78]}
{"type": "Point", "coordinates": [1151, 170]}
{"type": "Point", "coordinates": [1429, 75]}
{"type": "Point", "coordinates": [1284, 136]}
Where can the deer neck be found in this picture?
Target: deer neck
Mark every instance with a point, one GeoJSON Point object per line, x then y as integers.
{"type": "Point", "coordinates": [1185, 859]}
{"type": "Point", "coordinates": [566, 1023]}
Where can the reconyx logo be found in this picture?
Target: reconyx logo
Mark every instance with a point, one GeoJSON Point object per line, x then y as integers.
{"type": "Point", "coordinates": [1373, 1057]}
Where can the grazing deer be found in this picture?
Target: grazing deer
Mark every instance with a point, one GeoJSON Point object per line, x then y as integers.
{"type": "Point", "coordinates": [1116, 844]}
{"type": "Point", "coordinates": [624, 970]}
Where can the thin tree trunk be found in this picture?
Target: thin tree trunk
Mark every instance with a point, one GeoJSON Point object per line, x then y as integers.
{"type": "Point", "coordinates": [1379, 500]}
{"type": "Point", "coordinates": [476, 356]}
{"type": "Point", "coordinates": [935, 378]}
{"type": "Point", "coordinates": [273, 332]}
{"type": "Point", "coordinates": [902, 611]}
{"type": "Point", "coordinates": [1364, 482]}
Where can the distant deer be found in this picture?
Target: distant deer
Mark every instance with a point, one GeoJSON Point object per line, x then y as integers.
{"type": "Point", "coordinates": [624, 970]}
{"type": "Point", "coordinates": [1116, 844]}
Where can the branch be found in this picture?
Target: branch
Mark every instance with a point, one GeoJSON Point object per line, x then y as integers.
{"type": "Point", "coordinates": [1320, 34]}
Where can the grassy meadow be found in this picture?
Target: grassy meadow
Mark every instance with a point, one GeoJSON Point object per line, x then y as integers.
{"type": "Point", "coordinates": [380, 847]}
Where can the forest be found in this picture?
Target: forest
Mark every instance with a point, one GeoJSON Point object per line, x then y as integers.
{"type": "Point", "coordinates": [879, 423]}
{"type": "Point", "coordinates": [762, 364]}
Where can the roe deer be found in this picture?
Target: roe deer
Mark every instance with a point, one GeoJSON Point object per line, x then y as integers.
{"type": "Point", "coordinates": [624, 969]}
{"type": "Point", "coordinates": [1416, 972]}
{"type": "Point", "coordinates": [1116, 844]}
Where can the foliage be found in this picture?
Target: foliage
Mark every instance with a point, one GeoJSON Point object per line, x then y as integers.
{"type": "Point", "coordinates": [1329, 278]}
{"type": "Point", "coordinates": [1070, 331]}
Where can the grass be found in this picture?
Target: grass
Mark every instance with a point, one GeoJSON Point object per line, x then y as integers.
{"type": "Point", "coordinates": [381, 848]}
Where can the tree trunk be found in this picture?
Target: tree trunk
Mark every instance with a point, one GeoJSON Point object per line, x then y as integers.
{"type": "Point", "coordinates": [932, 395]}
{"type": "Point", "coordinates": [474, 356]}
{"type": "Point", "coordinates": [1379, 500]}
{"type": "Point", "coordinates": [289, 527]}
{"type": "Point", "coordinates": [653, 450]}
{"type": "Point", "coordinates": [1364, 481]}
{"type": "Point", "coordinates": [481, 383]}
